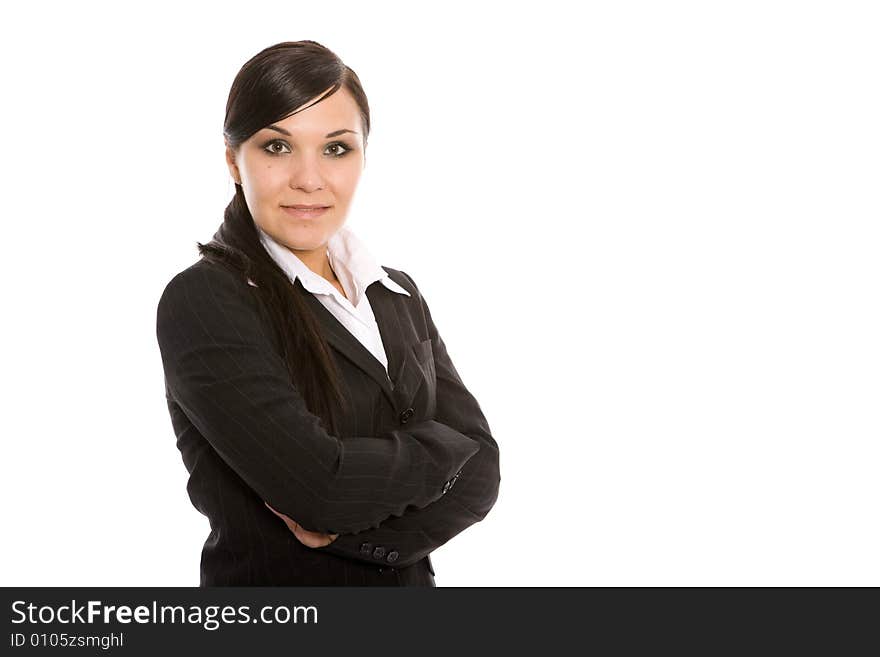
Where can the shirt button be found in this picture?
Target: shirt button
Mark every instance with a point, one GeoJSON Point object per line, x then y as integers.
{"type": "Point", "coordinates": [379, 552]}
{"type": "Point", "coordinates": [406, 415]}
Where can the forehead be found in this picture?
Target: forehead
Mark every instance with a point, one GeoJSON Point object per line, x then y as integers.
{"type": "Point", "coordinates": [335, 112]}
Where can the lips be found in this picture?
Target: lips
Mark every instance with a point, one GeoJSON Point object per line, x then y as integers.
{"type": "Point", "coordinates": [305, 211]}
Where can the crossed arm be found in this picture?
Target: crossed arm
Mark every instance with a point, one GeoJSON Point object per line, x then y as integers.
{"type": "Point", "coordinates": [466, 501]}
{"type": "Point", "coordinates": [222, 369]}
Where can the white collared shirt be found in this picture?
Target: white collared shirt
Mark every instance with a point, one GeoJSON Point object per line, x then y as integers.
{"type": "Point", "coordinates": [356, 268]}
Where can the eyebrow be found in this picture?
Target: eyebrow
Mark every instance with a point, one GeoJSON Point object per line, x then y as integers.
{"type": "Point", "coordinates": [329, 134]}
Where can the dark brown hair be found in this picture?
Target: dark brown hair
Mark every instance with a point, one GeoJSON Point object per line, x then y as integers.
{"type": "Point", "coordinates": [268, 88]}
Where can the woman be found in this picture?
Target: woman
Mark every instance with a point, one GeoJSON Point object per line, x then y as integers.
{"type": "Point", "coordinates": [328, 437]}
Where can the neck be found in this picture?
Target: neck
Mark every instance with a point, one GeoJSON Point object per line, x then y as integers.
{"type": "Point", "coordinates": [317, 261]}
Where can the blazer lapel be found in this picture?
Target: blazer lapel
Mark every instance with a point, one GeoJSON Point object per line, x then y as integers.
{"type": "Point", "coordinates": [401, 342]}
{"type": "Point", "coordinates": [403, 347]}
{"type": "Point", "coordinates": [341, 339]}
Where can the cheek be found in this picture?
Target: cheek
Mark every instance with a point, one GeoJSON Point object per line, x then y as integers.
{"type": "Point", "coordinates": [273, 177]}
{"type": "Point", "coordinates": [345, 180]}
{"type": "Point", "coordinates": [265, 177]}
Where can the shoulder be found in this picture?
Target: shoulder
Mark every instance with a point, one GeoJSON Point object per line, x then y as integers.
{"type": "Point", "coordinates": [206, 274]}
{"type": "Point", "coordinates": [204, 284]}
{"type": "Point", "coordinates": [208, 303]}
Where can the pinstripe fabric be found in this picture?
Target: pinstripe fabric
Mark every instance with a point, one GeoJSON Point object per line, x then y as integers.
{"type": "Point", "coordinates": [413, 464]}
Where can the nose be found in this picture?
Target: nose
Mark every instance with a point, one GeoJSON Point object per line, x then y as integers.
{"type": "Point", "coordinates": [305, 173]}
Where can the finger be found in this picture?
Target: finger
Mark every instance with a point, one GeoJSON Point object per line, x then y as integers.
{"type": "Point", "coordinates": [311, 539]}
{"type": "Point", "coordinates": [290, 521]}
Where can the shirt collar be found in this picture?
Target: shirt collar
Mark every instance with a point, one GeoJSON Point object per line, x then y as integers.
{"type": "Point", "coordinates": [349, 257]}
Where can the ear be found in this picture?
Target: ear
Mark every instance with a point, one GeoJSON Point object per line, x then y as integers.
{"type": "Point", "coordinates": [233, 167]}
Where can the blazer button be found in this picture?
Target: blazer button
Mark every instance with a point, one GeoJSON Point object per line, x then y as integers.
{"type": "Point", "coordinates": [366, 548]}
{"type": "Point", "coordinates": [406, 415]}
{"type": "Point", "coordinates": [379, 552]}
{"type": "Point", "coordinates": [392, 556]}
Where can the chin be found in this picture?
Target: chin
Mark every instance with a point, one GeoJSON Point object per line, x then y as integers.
{"type": "Point", "coordinates": [304, 239]}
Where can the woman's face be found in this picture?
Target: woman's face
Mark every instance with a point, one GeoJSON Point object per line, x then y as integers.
{"type": "Point", "coordinates": [313, 157]}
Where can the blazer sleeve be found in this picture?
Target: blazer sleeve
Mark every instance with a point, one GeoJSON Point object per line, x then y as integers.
{"type": "Point", "coordinates": [222, 369]}
{"type": "Point", "coordinates": [467, 499]}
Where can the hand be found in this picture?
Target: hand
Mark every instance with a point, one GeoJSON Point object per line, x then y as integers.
{"type": "Point", "coordinates": [307, 538]}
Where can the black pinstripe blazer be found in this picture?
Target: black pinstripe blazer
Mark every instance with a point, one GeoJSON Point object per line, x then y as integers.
{"type": "Point", "coordinates": [413, 464]}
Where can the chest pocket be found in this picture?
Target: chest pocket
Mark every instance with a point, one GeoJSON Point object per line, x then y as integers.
{"type": "Point", "coordinates": [417, 386]}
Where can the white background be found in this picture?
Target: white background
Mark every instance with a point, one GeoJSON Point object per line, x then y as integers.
{"type": "Point", "coordinates": [648, 233]}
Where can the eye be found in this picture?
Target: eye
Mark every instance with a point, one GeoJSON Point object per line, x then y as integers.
{"type": "Point", "coordinates": [336, 149]}
{"type": "Point", "coordinates": [340, 145]}
{"type": "Point", "coordinates": [269, 148]}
